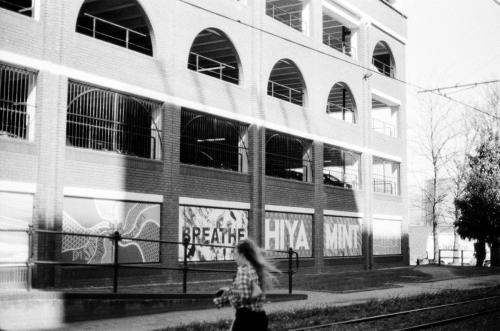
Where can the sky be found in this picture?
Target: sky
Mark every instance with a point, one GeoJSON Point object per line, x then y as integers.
{"type": "Point", "coordinates": [449, 42]}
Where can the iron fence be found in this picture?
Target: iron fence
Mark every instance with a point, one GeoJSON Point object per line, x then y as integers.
{"type": "Point", "coordinates": [115, 265]}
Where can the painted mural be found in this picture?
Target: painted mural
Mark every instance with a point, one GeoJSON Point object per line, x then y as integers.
{"type": "Point", "coordinates": [386, 237]}
{"type": "Point", "coordinates": [16, 210]}
{"type": "Point", "coordinates": [285, 230]}
{"type": "Point", "coordinates": [212, 226]}
{"type": "Point", "coordinates": [104, 217]}
{"type": "Point", "coordinates": [342, 236]}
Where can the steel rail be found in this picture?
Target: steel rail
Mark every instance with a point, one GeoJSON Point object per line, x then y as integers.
{"type": "Point", "coordinates": [450, 320]}
{"type": "Point", "coordinates": [399, 313]}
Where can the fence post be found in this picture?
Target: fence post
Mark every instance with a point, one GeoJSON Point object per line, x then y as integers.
{"type": "Point", "coordinates": [439, 257]}
{"type": "Point", "coordinates": [290, 271]}
{"type": "Point", "coordinates": [116, 239]}
{"type": "Point", "coordinates": [462, 257]}
{"type": "Point", "coordinates": [185, 243]}
{"type": "Point", "coordinates": [29, 265]}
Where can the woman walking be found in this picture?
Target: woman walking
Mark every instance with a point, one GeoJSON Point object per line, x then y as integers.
{"type": "Point", "coordinates": [246, 295]}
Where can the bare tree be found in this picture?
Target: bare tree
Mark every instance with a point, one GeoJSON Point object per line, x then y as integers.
{"type": "Point", "coordinates": [435, 136]}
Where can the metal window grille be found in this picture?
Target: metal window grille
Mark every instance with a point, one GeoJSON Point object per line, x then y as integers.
{"type": "Point", "coordinates": [16, 98]}
{"type": "Point", "coordinates": [385, 177]}
{"type": "Point", "coordinates": [213, 142]}
{"type": "Point", "coordinates": [341, 167]}
{"type": "Point", "coordinates": [110, 121]}
{"type": "Point", "coordinates": [288, 157]}
{"type": "Point", "coordinates": [24, 7]}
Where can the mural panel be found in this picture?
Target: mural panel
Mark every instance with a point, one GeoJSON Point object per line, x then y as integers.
{"type": "Point", "coordinates": [16, 210]}
{"type": "Point", "coordinates": [386, 237]}
{"type": "Point", "coordinates": [284, 230]}
{"type": "Point", "coordinates": [211, 226]}
{"type": "Point", "coordinates": [104, 217]}
{"type": "Point", "coordinates": [343, 236]}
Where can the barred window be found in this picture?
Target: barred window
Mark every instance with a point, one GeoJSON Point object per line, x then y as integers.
{"type": "Point", "coordinates": [385, 176]}
{"type": "Point", "coordinates": [106, 120]}
{"type": "Point", "coordinates": [17, 102]}
{"type": "Point", "coordinates": [288, 157]}
{"type": "Point", "coordinates": [213, 142]}
{"type": "Point", "coordinates": [24, 7]}
{"type": "Point", "coordinates": [341, 167]}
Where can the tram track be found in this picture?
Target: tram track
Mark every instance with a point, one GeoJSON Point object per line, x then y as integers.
{"type": "Point", "coordinates": [370, 321]}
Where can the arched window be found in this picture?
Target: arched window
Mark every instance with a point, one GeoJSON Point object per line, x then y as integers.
{"type": "Point", "coordinates": [383, 60]}
{"type": "Point", "coordinates": [119, 22]}
{"type": "Point", "coordinates": [341, 104]}
{"type": "Point", "coordinates": [213, 54]}
{"type": "Point", "coordinates": [286, 82]}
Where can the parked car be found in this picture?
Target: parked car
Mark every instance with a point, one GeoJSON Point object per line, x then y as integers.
{"type": "Point", "coordinates": [334, 181]}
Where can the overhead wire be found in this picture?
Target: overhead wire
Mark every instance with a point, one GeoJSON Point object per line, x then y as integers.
{"type": "Point", "coordinates": [410, 84]}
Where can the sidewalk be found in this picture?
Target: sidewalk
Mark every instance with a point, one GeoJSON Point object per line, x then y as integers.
{"type": "Point", "coordinates": [316, 299]}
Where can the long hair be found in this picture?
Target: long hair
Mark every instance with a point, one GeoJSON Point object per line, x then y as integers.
{"type": "Point", "coordinates": [262, 266]}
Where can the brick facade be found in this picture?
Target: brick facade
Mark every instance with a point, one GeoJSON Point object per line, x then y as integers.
{"type": "Point", "coordinates": [51, 46]}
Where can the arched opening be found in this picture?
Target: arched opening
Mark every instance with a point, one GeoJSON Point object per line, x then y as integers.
{"type": "Point", "coordinates": [214, 142]}
{"type": "Point", "coordinates": [23, 7]}
{"type": "Point", "coordinates": [383, 60]}
{"type": "Point", "coordinates": [286, 82]}
{"type": "Point", "coordinates": [288, 156]}
{"type": "Point", "coordinates": [213, 54]}
{"type": "Point", "coordinates": [341, 104]}
{"type": "Point", "coordinates": [119, 22]}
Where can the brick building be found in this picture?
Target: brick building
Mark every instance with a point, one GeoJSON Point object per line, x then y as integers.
{"type": "Point", "coordinates": [279, 120]}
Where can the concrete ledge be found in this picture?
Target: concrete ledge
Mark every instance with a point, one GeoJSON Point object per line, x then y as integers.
{"type": "Point", "coordinates": [38, 310]}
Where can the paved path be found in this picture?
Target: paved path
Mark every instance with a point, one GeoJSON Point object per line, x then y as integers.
{"type": "Point", "coordinates": [316, 299]}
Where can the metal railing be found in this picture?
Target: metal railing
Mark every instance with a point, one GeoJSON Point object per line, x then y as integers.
{"type": "Point", "coordinates": [212, 67]}
{"type": "Point", "coordinates": [348, 114]}
{"type": "Point", "coordinates": [124, 41]}
{"type": "Point", "coordinates": [15, 7]}
{"type": "Point", "coordinates": [284, 92]}
{"type": "Point", "coordinates": [453, 257]}
{"type": "Point", "coordinates": [384, 127]}
{"type": "Point", "coordinates": [115, 265]}
{"type": "Point", "coordinates": [385, 184]}
{"type": "Point", "coordinates": [341, 178]}
{"type": "Point", "coordinates": [384, 68]}
{"type": "Point", "coordinates": [292, 20]}
{"type": "Point", "coordinates": [339, 45]}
